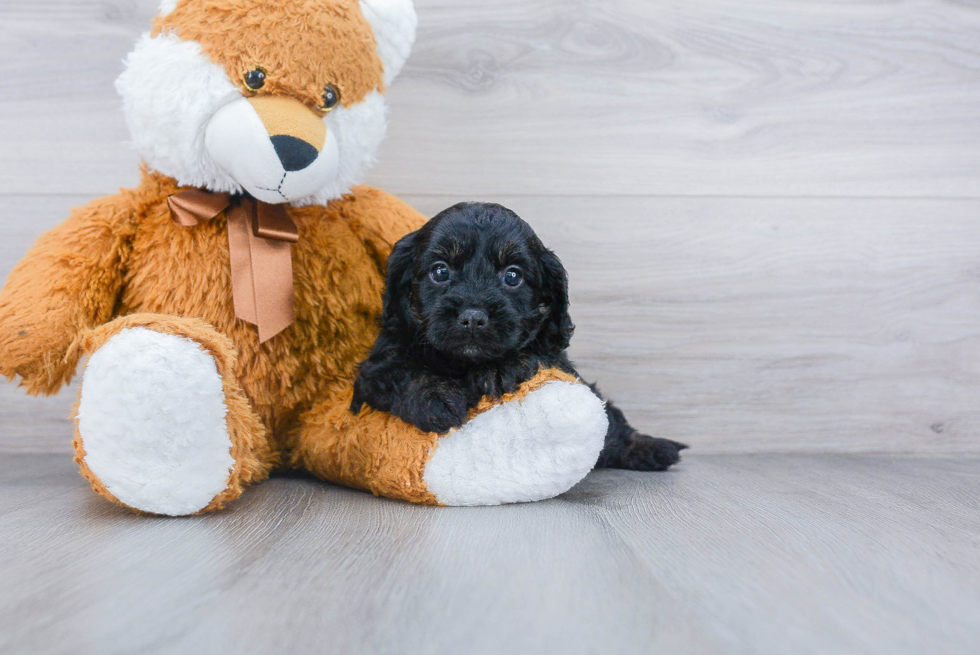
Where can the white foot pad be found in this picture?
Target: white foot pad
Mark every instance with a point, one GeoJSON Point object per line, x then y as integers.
{"type": "Point", "coordinates": [521, 451]}
{"type": "Point", "coordinates": [152, 422]}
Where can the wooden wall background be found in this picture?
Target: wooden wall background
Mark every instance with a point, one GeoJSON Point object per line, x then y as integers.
{"type": "Point", "coordinates": [770, 209]}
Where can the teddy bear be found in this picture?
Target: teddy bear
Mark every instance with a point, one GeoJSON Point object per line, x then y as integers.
{"type": "Point", "coordinates": [221, 307]}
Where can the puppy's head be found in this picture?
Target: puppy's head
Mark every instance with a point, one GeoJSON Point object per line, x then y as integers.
{"type": "Point", "coordinates": [476, 284]}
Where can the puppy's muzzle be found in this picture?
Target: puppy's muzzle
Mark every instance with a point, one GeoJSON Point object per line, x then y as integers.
{"type": "Point", "coordinates": [297, 132]}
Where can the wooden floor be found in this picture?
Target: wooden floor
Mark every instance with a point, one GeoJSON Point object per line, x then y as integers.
{"type": "Point", "coordinates": [726, 554]}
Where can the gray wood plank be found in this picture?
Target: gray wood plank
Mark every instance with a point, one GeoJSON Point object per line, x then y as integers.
{"type": "Point", "coordinates": [593, 97]}
{"type": "Point", "coordinates": [62, 124]}
{"type": "Point", "coordinates": [735, 325]}
{"type": "Point", "coordinates": [726, 554]}
{"type": "Point", "coordinates": [35, 425]}
{"type": "Point", "coordinates": [811, 554]}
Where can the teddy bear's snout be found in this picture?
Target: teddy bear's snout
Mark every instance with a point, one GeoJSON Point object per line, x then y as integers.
{"type": "Point", "coordinates": [297, 133]}
{"type": "Point", "coordinates": [275, 147]}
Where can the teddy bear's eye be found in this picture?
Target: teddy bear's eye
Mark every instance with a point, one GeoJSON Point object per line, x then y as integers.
{"type": "Point", "coordinates": [331, 98]}
{"type": "Point", "coordinates": [254, 79]}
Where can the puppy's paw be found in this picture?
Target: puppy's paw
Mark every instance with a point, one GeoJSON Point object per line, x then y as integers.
{"type": "Point", "coordinates": [649, 454]}
{"type": "Point", "coordinates": [438, 412]}
{"type": "Point", "coordinates": [441, 419]}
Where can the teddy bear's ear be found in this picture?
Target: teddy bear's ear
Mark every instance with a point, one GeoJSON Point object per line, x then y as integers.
{"type": "Point", "coordinates": [166, 6]}
{"type": "Point", "coordinates": [394, 23]}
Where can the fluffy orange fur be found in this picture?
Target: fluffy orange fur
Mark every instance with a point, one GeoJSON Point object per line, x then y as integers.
{"type": "Point", "coordinates": [285, 39]}
{"type": "Point", "coordinates": [121, 262]}
{"type": "Point", "coordinates": [124, 255]}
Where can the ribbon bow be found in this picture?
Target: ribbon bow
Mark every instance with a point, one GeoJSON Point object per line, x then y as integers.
{"type": "Point", "coordinates": [260, 238]}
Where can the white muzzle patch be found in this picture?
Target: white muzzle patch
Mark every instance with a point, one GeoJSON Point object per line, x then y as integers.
{"type": "Point", "coordinates": [240, 145]}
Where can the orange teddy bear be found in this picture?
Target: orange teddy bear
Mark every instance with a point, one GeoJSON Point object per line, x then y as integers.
{"type": "Point", "coordinates": [225, 302]}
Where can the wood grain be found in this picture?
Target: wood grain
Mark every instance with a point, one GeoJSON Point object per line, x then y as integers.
{"type": "Point", "coordinates": [726, 554]}
{"type": "Point", "coordinates": [734, 325]}
{"type": "Point", "coordinates": [728, 97]}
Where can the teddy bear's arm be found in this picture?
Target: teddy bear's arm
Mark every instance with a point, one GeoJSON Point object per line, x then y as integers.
{"type": "Point", "coordinates": [67, 283]}
{"type": "Point", "coordinates": [381, 219]}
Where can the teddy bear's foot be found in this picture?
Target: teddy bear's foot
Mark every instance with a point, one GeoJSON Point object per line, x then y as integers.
{"type": "Point", "coordinates": [153, 423]}
{"type": "Point", "coordinates": [151, 416]}
{"type": "Point", "coordinates": [522, 450]}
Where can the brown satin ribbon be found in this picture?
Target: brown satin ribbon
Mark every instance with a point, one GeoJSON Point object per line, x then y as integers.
{"type": "Point", "coordinates": [260, 238]}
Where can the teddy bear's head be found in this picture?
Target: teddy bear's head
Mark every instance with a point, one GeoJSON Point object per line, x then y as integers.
{"type": "Point", "coordinates": [282, 99]}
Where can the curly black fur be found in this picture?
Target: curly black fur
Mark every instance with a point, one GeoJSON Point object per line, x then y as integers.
{"type": "Point", "coordinates": [474, 306]}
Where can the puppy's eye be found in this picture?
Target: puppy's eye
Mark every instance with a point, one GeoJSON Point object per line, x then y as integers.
{"type": "Point", "coordinates": [331, 98]}
{"type": "Point", "coordinates": [254, 79]}
{"type": "Point", "coordinates": [513, 277]}
{"type": "Point", "coordinates": [440, 273]}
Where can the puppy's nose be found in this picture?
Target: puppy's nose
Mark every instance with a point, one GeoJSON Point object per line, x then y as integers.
{"type": "Point", "coordinates": [295, 154]}
{"type": "Point", "coordinates": [473, 320]}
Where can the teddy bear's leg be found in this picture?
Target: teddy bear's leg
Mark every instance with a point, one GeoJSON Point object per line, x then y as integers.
{"type": "Point", "coordinates": [531, 445]}
{"type": "Point", "coordinates": [162, 425]}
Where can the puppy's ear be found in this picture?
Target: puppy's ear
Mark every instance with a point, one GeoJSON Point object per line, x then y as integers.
{"type": "Point", "coordinates": [556, 332]}
{"type": "Point", "coordinates": [397, 310]}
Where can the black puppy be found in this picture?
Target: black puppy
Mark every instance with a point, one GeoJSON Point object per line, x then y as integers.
{"type": "Point", "coordinates": [475, 305]}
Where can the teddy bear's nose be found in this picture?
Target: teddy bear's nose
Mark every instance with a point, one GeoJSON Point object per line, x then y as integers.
{"type": "Point", "coordinates": [295, 154]}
